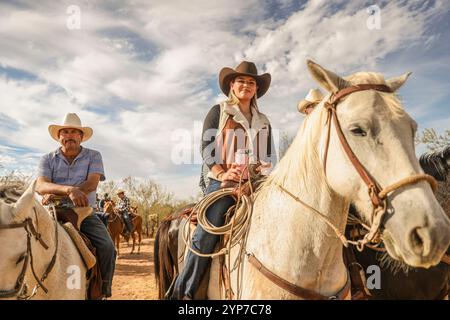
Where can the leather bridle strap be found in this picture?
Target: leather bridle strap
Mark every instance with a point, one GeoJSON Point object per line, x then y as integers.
{"type": "Point", "coordinates": [331, 106]}
{"type": "Point", "coordinates": [294, 289]}
{"type": "Point", "coordinates": [20, 279]}
{"type": "Point", "coordinates": [377, 195]}
{"type": "Point", "coordinates": [28, 256]}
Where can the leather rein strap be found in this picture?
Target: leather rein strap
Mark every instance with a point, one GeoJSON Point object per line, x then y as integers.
{"type": "Point", "coordinates": [294, 289]}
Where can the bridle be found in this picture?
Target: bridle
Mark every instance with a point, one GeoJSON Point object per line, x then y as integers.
{"type": "Point", "coordinates": [20, 289]}
{"type": "Point", "coordinates": [377, 194]}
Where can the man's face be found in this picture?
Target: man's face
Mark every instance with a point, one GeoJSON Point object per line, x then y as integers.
{"type": "Point", "coordinates": [121, 195]}
{"type": "Point", "coordinates": [70, 138]}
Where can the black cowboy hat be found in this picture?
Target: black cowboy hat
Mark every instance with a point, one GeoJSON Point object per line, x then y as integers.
{"type": "Point", "coordinates": [245, 68]}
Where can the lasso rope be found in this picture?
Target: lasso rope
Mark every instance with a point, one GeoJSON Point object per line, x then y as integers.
{"type": "Point", "coordinates": [238, 217]}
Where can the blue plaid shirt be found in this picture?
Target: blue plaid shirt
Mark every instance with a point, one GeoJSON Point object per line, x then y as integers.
{"type": "Point", "coordinates": [55, 167]}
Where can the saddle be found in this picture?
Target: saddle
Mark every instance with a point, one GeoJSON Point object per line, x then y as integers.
{"type": "Point", "coordinates": [71, 219]}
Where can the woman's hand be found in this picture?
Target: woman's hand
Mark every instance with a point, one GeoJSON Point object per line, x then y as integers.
{"type": "Point", "coordinates": [264, 168]}
{"type": "Point", "coordinates": [233, 174]}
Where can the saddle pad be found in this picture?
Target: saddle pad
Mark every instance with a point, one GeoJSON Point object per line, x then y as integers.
{"type": "Point", "coordinates": [88, 257]}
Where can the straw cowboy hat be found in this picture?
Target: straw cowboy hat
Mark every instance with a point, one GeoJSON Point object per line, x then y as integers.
{"type": "Point", "coordinates": [245, 68]}
{"type": "Point", "coordinates": [70, 121]}
{"type": "Point", "coordinates": [120, 191]}
{"type": "Point", "coordinates": [313, 97]}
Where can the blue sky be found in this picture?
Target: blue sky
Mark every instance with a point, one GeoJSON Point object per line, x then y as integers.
{"type": "Point", "coordinates": [136, 71]}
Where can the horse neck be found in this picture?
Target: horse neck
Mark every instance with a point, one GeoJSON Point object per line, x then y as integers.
{"type": "Point", "coordinates": [290, 238]}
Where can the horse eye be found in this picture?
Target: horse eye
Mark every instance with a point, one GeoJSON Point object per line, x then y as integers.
{"type": "Point", "coordinates": [357, 131]}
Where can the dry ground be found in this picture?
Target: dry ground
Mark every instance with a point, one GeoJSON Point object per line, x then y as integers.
{"type": "Point", "coordinates": [134, 278]}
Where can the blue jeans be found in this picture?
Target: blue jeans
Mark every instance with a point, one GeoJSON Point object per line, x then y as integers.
{"type": "Point", "coordinates": [95, 230]}
{"type": "Point", "coordinates": [189, 279]}
{"type": "Point", "coordinates": [103, 218]}
{"type": "Point", "coordinates": [126, 219]}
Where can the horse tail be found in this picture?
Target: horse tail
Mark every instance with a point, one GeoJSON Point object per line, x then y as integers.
{"type": "Point", "coordinates": [164, 265]}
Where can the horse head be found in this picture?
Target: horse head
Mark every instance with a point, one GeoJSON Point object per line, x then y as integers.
{"type": "Point", "coordinates": [380, 134]}
{"type": "Point", "coordinates": [109, 206]}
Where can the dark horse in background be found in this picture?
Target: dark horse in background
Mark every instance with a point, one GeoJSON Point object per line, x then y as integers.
{"type": "Point", "coordinates": [164, 272]}
{"type": "Point", "coordinates": [401, 282]}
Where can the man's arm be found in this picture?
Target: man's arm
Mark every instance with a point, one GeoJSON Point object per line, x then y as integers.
{"type": "Point", "coordinates": [91, 183]}
{"type": "Point", "coordinates": [44, 186]}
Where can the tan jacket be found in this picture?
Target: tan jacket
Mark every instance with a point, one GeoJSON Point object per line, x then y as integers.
{"type": "Point", "coordinates": [235, 133]}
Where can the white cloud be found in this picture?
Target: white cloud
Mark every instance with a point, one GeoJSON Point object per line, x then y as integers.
{"type": "Point", "coordinates": [7, 160]}
{"type": "Point", "coordinates": [160, 58]}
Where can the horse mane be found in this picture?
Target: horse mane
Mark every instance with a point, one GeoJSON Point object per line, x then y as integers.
{"type": "Point", "coordinates": [387, 262]}
{"type": "Point", "coordinates": [299, 166]}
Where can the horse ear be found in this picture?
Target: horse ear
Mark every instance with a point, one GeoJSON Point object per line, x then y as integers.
{"type": "Point", "coordinates": [396, 82]}
{"type": "Point", "coordinates": [327, 79]}
{"type": "Point", "coordinates": [23, 206]}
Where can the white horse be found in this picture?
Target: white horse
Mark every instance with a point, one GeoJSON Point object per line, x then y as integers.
{"type": "Point", "coordinates": [66, 277]}
{"type": "Point", "coordinates": [290, 240]}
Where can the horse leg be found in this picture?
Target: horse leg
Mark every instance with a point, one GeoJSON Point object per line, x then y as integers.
{"type": "Point", "coordinates": [117, 240]}
{"type": "Point", "coordinates": [139, 243]}
{"type": "Point", "coordinates": [134, 240]}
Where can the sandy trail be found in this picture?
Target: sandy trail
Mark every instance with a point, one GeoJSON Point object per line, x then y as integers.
{"type": "Point", "coordinates": [134, 278]}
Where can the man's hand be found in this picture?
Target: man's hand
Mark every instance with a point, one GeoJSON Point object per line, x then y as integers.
{"type": "Point", "coordinates": [46, 199]}
{"type": "Point", "coordinates": [78, 197]}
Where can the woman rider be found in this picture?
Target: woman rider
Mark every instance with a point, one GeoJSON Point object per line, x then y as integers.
{"type": "Point", "coordinates": [235, 124]}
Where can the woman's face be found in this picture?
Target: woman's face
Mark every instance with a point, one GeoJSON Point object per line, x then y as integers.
{"type": "Point", "coordinates": [244, 87]}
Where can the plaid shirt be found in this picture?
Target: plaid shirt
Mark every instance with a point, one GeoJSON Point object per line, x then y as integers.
{"type": "Point", "coordinates": [123, 205]}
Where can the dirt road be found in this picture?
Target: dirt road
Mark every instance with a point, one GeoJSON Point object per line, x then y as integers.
{"type": "Point", "coordinates": [134, 278]}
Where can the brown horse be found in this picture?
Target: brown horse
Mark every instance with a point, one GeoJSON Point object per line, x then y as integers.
{"type": "Point", "coordinates": [115, 223]}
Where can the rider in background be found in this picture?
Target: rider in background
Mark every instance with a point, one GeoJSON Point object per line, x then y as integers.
{"type": "Point", "coordinates": [123, 206]}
